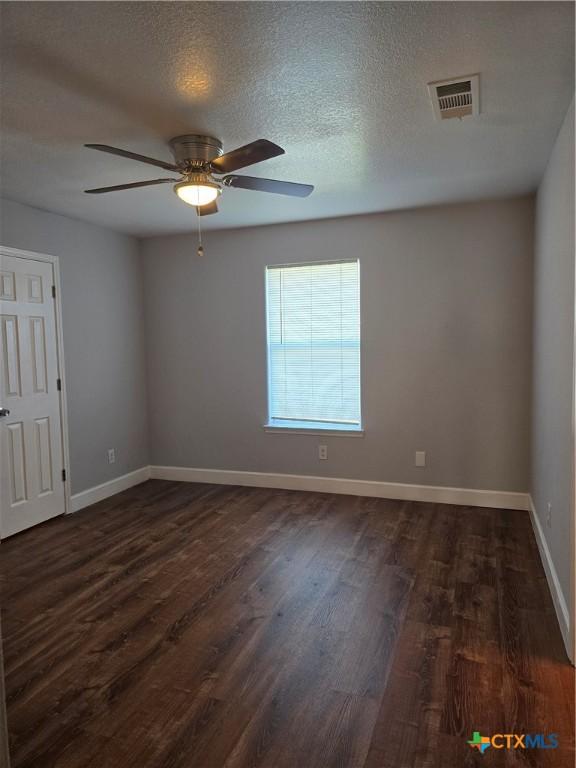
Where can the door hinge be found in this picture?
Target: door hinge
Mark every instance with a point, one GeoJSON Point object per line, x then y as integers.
{"type": "Point", "coordinates": [53, 291]}
{"type": "Point", "coordinates": [63, 475]}
{"type": "Point", "coordinates": [59, 385]}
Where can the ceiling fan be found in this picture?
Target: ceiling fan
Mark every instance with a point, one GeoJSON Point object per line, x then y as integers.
{"type": "Point", "coordinates": [198, 159]}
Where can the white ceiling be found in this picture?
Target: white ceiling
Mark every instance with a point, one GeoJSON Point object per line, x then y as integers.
{"type": "Point", "coordinates": [341, 86]}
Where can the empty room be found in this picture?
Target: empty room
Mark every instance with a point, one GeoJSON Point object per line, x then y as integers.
{"type": "Point", "coordinates": [287, 384]}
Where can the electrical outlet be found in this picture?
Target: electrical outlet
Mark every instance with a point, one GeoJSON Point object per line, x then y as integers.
{"type": "Point", "coordinates": [111, 455]}
{"type": "Point", "coordinates": [549, 515]}
{"type": "Point", "coordinates": [323, 452]}
{"type": "Point", "coordinates": [420, 459]}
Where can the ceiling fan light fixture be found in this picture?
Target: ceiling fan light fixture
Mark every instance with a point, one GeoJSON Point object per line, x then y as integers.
{"type": "Point", "coordinates": [197, 158]}
{"type": "Point", "coordinates": [197, 190]}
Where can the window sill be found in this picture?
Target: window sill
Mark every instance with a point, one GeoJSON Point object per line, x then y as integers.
{"type": "Point", "coordinates": [274, 429]}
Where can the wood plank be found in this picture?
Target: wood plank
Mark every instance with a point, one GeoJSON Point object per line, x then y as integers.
{"type": "Point", "coordinates": [179, 625]}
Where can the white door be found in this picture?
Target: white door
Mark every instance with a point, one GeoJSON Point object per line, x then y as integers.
{"type": "Point", "coordinates": [32, 487]}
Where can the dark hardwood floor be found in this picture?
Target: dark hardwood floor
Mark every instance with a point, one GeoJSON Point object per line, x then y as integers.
{"type": "Point", "coordinates": [196, 626]}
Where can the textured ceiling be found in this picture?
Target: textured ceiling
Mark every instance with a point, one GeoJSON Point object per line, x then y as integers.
{"type": "Point", "coordinates": [341, 86]}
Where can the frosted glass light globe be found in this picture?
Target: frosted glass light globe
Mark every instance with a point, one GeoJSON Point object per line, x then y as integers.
{"type": "Point", "coordinates": [197, 193]}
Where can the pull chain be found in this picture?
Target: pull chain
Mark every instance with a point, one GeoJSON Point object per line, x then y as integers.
{"type": "Point", "coordinates": [200, 251]}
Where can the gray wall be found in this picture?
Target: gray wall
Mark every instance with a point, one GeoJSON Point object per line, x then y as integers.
{"type": "Point", "coordinates": [103, 324]}
{"type": "Point", "coordinates": [552, 454]}
{"type": "Point", "coordinates": [446, 314]}
{"type": "Point", "coordinates": [446, 326]}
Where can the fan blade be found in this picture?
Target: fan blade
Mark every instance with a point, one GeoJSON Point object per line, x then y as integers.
{"type": "Point", "coordinates": [133, 156]}
{"type": "Point", "coordinates": [268, 185]}
{"type": "Point", "coordinates": [134, 185]}
{"type": "Point", "coordinates": [206, 210]}
{"type": "Point", "coordinates": [252, 153]}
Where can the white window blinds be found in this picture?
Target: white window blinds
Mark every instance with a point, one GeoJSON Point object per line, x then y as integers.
{"type": "Point", "coordinates": [313, 316]}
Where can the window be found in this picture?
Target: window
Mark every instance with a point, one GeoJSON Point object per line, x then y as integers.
{"type": "Point", "coordinates": [313, 317]}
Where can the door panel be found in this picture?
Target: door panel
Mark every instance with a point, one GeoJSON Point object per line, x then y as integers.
{"type": "Point", "coordinates": [38, 354]}
{"type": "Point", "coordinates": [31, 435]}
{"type": "Point", "coordinates": [44, 456]}
{"type": "Point", "coordinates": [17, 462]}
{"type": "Point", "coordinates": [11, 356]}
{"type": "Point", "coordinates": [7, 286]}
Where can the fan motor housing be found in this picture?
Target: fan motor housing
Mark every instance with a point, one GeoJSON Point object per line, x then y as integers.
{"type": "Point", "coordinates": [195, 149]}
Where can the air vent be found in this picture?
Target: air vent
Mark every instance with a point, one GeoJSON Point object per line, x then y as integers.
{"type": "Point", "coordinates": [454, 98]}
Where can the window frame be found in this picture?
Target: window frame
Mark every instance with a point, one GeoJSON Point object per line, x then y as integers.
{"type": "Point", "coordinates": [315, 428]}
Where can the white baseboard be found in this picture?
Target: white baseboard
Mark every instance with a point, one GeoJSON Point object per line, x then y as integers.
{"type": "Point", "coordinates": [402, 491]}
{"type": "Point", "coordinates": [560, 604]}
{"type": "Point", "coordinates": [100, 492]}
{"type": "Point", "coordinates": [469, 497]}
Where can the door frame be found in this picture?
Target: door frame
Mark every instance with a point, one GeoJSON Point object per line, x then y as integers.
{"type": "Point", "coordinates": [65, 447]}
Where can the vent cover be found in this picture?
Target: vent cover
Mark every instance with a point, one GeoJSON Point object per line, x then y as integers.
{"type": "Point", "coordinates": [454, 98]}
